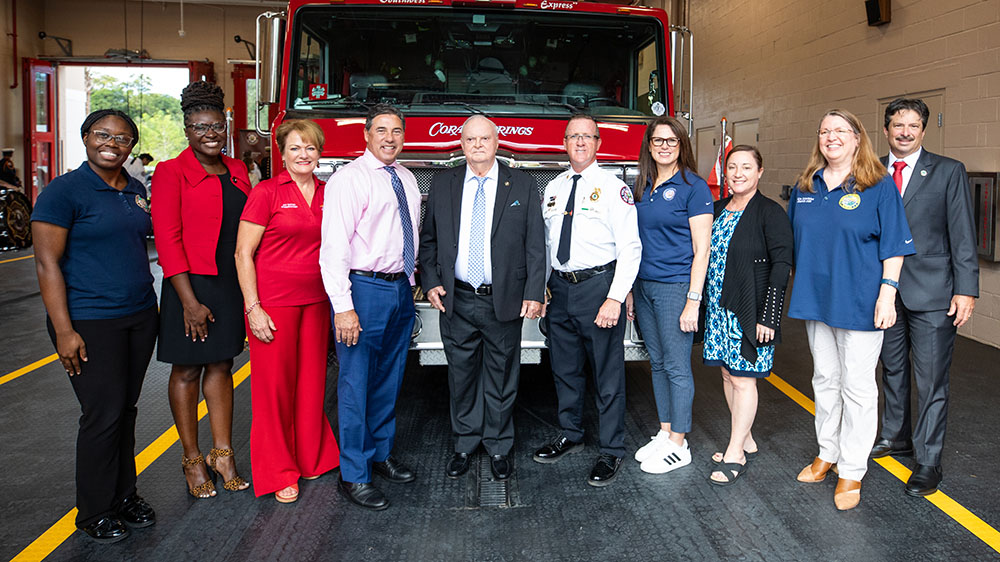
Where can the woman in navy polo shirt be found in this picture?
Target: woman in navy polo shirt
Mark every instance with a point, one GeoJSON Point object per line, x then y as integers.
{"type": "Point", "coordinates": [850, 238]}
{"type": "Point", "coordinates": [89, 228]}
{"type": "Point", "coordinates": [674, 208]}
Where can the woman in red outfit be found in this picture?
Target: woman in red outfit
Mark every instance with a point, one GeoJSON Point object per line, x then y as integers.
{"type": "Point", "coordinates": [288, 316]}
{"type": "Point", "coordinates": [199, 199]}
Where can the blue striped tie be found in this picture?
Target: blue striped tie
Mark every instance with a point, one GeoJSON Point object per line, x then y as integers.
{"type": "Point", "coordinates": [404, 219]}
{"type": "Point", "coordinates": [477, 269]}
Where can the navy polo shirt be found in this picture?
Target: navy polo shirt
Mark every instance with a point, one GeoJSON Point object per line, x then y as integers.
{"type": "Point", "coordinates": [664, 229]}
{"type": "Point", "coordinates": [841, 239]}
{"type": "Point", "coordinates": [105, 264]}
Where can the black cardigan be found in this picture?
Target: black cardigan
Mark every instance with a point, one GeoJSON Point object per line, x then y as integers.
{"type": "Point", "coordinates": [758, 265]}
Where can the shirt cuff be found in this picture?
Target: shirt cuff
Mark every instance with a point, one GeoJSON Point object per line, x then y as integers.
{"type": "Point", "coordinates": [341, 303]}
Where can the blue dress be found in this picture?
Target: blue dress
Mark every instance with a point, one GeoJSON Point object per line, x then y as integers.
{"type": "Point", "coordinates": [723, 332]}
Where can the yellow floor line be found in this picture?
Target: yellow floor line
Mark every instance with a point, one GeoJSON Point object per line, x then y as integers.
{"type": "Point", "coordinates": [62, 529]}
{"type": "Point", "coordinates": [17, 259]}
{"type": "Point", "coordinates": [982, 530]}
{"type": "Point", "coordinates": [25, 370]}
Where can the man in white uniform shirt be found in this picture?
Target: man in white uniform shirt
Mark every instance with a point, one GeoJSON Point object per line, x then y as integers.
{"type": "Point", "coordinates": [592, 239]}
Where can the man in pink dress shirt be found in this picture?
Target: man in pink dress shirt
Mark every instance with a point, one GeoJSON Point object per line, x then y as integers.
{"type": "Point", "coordinates": [370, 222]}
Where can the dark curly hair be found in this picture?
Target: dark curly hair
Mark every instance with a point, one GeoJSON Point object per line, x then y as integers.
{"type": "Point", "coordinates": [96, 116]}
{"type": "Point", "coordinates": [202, 96]}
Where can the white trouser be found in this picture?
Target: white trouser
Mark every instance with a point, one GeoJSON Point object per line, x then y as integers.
{"type": "Point", "coordinates": [846, 395]}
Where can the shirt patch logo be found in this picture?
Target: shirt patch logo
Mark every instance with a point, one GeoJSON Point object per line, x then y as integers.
{"type": "Point", "coordinates": [289, 206]}
{"type": "Point", "coordinates": [596, 194]}
{"type": "Point", "coordinates": [141, 202]}
{"type": "Point", "coordinates": [669, 194]}
{"type": "Point", "coordinates": [804, 199]}
{"type": "Point", "coordinates": [626, 194]}
{"type": "Point", "coordinates": [552, 201]}
{"type": "Point", "coordinates": [850, 201]}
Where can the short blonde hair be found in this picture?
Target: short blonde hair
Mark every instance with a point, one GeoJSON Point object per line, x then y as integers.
{"type": "Point", "coordinates": [306, 128]}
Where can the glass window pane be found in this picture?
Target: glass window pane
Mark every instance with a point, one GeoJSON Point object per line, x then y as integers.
{"type": "Point", "coordinates": [41, 102]}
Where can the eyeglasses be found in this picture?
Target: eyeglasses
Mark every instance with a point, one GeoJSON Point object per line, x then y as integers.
{"type": "Point", "coordinates": [838, 132]}
{"type": "Point", "coordinates": [581, 136]}
{"type": "Point", "coordinates": [202, 128]}
{"type": "Point", "coordinates": [660, 141]}
{"type": "Point", "coordinates": [104, 137]}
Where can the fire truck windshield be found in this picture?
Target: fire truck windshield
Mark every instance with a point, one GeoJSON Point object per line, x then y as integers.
{"type": "Point", "coordinates": [500, 62]}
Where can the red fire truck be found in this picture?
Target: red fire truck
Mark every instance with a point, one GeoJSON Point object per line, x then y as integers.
{"type": "Point", "coordinates": [526, 64]}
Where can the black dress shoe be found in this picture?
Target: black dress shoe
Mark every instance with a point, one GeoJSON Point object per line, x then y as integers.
{"type": "Point", "coordinates": [106, 530]}
{"type": "Point", "coordinates": [135, 512]}
{"type": "Point", "coordinates": [363, 494]}
{"type": "Point", "coordinates": [394, 471]}
{"type": "Point", "coordinates": [555, 450]}
{"type": "Point", "coordinates": [605, 471]}
{"type": "Point", "coordinates": [458, 465]}
{"type": "Point", "coordinates": [501, 467]}
{"type": "Point", "coordinates": [884, 448]}
{"type": "Point", "coordinates": [924, 480]}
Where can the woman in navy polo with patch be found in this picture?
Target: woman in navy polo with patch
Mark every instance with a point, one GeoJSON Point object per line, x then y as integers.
{"type": "Point", "coordinates": [199, 196]}
{"type": "Point", "coordinates": [850, 238]}
{"type": "Point", "coordinates": [674, 208]}
{"type": "Point", "coordinates": [89, 228]}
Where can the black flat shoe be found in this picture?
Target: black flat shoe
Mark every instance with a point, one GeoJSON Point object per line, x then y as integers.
{"type": "Point", "coordinates": [501, 467]}
{"type": "Point", "coordinates": [458, 465]}
{"type": "Point", "coordinates": [135, 512]}
{"type": "Point", "coordinates": [363, 494]}
{"type": "Point", "coordinates": [394, 471]}
{"type": "Point", "coordinates": [924, 480]}
{"type": "Point", "coordinates": [605, 470]}
{"type": "Point", "coordinates": [556, 449]}
{"type": "Point", "coordinates": [106, 530]}
{"type": "Point", "coordinates": [884, 448]}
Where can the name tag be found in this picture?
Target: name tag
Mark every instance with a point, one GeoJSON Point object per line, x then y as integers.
{"type": "Point", "coordinates": [804, 199]}
{"type": "Point", "coordinates": [289, 206]}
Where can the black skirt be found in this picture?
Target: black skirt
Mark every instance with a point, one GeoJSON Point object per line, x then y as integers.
{"type": "Point", "coordinates": [220, 293]}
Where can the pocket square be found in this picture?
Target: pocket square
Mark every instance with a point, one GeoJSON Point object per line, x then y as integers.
{"type": "Point", "coordinates": [516, 203]}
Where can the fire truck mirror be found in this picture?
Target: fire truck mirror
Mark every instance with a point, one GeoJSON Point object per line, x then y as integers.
{"type": "Point", "coordinates": [270, 38]}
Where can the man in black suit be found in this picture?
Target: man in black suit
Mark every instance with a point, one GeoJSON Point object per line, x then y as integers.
{"type": "Point", "coordinates": [482, 264]}
{"type": "Point", "coordinates": [937, 292]}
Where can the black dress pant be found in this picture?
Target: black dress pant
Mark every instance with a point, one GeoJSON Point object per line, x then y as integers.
{"type": "Point", "coordinates": [574, 338]}
{"type": "Point", "coordinates": [919, 343]}
{"type": "Point", "coordinates": [118, 352]}
{"type": "Point", "coordinates": [484, 366]}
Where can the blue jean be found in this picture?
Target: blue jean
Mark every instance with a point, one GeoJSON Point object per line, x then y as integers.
{"type": "Point", "coordinates": [658, 309]}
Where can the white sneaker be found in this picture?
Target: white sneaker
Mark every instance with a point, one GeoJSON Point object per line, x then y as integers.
{"type": "Point", "coordinates": [658, 442]}
{"type": "Point", "coordinates": [669, 459]}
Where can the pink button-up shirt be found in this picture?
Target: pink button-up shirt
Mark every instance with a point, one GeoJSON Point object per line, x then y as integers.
{"type": "Point", "coordinates": [361, 226]}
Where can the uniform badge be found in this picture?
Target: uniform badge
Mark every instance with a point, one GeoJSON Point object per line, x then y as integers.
{"type": "Point", "coordinates": [850, 201]}
{"type": "Point", "coordinates": [596, 194]}
{"type": "Point", "coordinates": [626, 194]}
{"type": "Point", "coordinates": [552, 201]}
{"type": "Point", "coordinates": [669, 194]}
{"type": "Point", "coordinates": [141, 202]}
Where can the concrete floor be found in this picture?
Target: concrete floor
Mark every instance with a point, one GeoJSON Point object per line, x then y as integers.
{"type": "Point", "coordinates": [548, 513]}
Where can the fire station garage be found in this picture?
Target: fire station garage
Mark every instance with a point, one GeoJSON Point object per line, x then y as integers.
{"type": "Point", "coordinates": [839, 401]}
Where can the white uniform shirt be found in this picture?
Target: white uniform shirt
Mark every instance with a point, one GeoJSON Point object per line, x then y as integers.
{"type": "Point", "coordinates": [910, 160]}
{"type": "Point", "coordinates": [469, 189]}
{"type": "Point", "coordinates": [605, 227]}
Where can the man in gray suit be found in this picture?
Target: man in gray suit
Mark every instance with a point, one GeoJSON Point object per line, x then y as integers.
{"type": "Point", "coordinates": [482, 264]}
{"type": "Point", "coordinates": [937, 292]}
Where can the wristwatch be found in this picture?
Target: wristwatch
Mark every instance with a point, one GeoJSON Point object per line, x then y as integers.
{"type": "Point", "coordinates": [693, 296]}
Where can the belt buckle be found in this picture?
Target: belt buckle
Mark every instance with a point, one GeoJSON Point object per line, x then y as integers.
{"type": "Point", "coordinates": [573, 278]}
{"type": "Point", "coordinates": [480, 291]}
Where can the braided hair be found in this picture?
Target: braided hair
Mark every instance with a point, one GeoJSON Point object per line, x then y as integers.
{"type": "Point", "coordinates": [202, 96]}
{"type": "Point", "coordinates": [96, 116]}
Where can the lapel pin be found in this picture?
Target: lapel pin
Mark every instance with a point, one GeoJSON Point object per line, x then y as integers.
{"type": "Point", "coordinates": [506, 184]}
{"type": "Point", "coordinates": [923, 173]}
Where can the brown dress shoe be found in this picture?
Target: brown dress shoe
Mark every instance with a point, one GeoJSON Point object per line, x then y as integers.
{"type": "Point", "coordinates": [847, 495]}
{"type": "Point", "coordinates": [815, 472]}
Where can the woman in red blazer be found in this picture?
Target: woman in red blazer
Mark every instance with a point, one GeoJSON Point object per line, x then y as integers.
{"type": "Point", "coordinates": [199, 198]}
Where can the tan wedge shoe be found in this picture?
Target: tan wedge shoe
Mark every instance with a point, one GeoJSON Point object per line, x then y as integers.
{"type": "Point", "coordinates": [848, 494]}
{"type": "Point", "coordinates": [815, 472]}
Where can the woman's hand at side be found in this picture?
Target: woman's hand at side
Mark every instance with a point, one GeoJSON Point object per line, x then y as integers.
{"type": "Point", "coordinates": [261, 325]}
{"type": "Point", "coordinates": [764, 334]}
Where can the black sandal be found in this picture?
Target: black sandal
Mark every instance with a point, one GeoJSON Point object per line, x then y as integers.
{"type": "Point", "coordinates": [727, 469]}
{"type": "Point", "coordinates": [747, 454]}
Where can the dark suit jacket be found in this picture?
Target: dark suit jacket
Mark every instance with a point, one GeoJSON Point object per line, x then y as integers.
{"type": "Point", "coordinates": [517, 244]}
{"type": "Point", "coordinates": [938, 207]}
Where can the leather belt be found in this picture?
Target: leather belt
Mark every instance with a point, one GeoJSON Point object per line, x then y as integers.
{"type": "Point", "coordinates": [379, 275]}
{"type": "Point", "coordinates": [582, 275]}
{"type": "Point", "coordinates": [482, 290]}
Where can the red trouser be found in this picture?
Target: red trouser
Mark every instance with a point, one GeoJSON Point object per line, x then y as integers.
{"type": "Point", "coordinates": [290, 436]}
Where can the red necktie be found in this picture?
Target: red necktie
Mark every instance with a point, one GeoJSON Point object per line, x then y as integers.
{"type": "Point", "coordinates": [897, 175]}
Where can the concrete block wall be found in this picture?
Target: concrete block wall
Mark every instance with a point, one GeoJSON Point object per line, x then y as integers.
{"type": "Point", "coordinates": [785, 62]}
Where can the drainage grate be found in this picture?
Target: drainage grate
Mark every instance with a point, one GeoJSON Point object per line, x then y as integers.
{"type": "Point", "coordinates": [492, 493]}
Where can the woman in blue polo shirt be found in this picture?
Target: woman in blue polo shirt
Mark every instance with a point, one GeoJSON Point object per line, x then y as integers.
{"type": "Point", "coordinates": [89, 228]}
{"type": "Point", "coordinates": [674, 208]}
{"type": "Point", "coordinates": [850, 238]}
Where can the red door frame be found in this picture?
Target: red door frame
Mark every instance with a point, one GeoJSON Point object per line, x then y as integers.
{"type": "Point", "coordinates": [34, 139]}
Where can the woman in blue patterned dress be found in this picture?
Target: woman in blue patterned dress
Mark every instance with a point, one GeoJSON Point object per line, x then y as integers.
{"type": "Point", "coordinates": [748, 271]}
